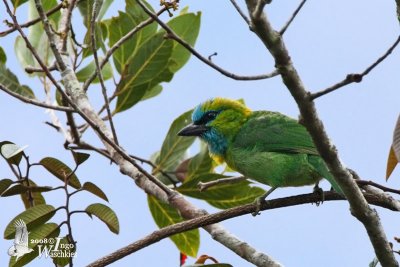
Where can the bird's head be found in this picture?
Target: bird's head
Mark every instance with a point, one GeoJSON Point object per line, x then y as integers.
{"type": "Point", "coordinates": [217, 121]}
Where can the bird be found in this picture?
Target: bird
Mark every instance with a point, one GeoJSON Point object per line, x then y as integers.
{"type": "Point", "coordinates": [20, 246]}
{"type": "Point", "coordinates": [266, 146]}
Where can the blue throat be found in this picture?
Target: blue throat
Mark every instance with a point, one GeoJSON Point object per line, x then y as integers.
{"type": "Point", "coordinates": [217, 143]}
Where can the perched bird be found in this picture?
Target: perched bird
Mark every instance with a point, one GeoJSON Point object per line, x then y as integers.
{"type": "Point", "coordinates": [20, 246]}
{"type": "Point", "coordinates": [266, 146]}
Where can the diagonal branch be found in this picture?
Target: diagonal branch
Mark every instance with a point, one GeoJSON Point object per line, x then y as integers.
{"type": "Point", "coordinates": [205, 220]}
{"type": "Point", "coordinates": [33, 101]}
{"type": "Point", "coordinates": [358, 205]}
{"type": "Point", "coordinates": [172, 35]}
{"type": "Point", "coordinates": [31, 22]}
{"type": "Point", "coordinates": [96, 5]}
{"type": "Point", "coordinates": [80, 102]}
{"type": "Point", "coordinates": [284, 28]}
{"type": "Point", "coordinates": [356, 78]}
{"type": "Point", "coordinates": [240, 11]}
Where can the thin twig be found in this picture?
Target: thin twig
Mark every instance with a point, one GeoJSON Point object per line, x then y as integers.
{"type": "Point", "coordinates": [172, 35]}
{"type": "Point", "coordinates": [356, 78]}
{"type": "Point", "coordinates": [31, 70]}
{"type": "Point", "coordinates": [230, 180]}
{"type": "Point", "coordinates": [96, 5]}
{"type": "Point", "coordinates": [33, 101]}
{"type": "Point", "coordinates": [286, 26]}
{"type": "Point", "coordinates": [240, 11]}
{"type": "Point", "coordinates": [32, 22]}
{"type": "Point", "coordinates": [225, 215]}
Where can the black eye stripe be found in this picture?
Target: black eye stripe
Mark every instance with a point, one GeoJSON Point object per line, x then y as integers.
{"type": "Point", "coordinates": [207, 117]}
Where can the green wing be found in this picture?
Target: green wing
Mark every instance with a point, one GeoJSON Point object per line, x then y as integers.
{"type": "Point", "coordinates": [274, 132]}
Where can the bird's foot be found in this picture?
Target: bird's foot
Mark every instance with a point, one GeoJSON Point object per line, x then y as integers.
{"type": "Point", "coordinates": [258, 203]}
{"type": "Point", "coordinates": [319, 191]}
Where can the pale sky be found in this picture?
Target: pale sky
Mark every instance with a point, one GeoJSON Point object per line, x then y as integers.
{"type": "Point", "coordinates": [328, 40]}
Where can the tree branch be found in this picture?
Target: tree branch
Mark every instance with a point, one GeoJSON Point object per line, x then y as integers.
{"type": "Point", "coordinates": [31, 22]}
{"type": "Point", "coordinates": [230, 180]}
{"type": "Point", "coordinates": [228, 214]}
{"type": "Point", "coordinates": [33, 101]}
{"type": "Point", "coordinates": [356, 78]}
{"type": "Point", "coordinates": [81, 103]}
{"type": "Point", "coordinates": [96, 5]}
{"type": "Point", "coordinates": [240, 11]}
{"type": "Point", "coordinates": [358, 205]}
{"type": "Point", "coordinates": [284, 28]}
{"type": "Point", "coordinates": [171, 34]}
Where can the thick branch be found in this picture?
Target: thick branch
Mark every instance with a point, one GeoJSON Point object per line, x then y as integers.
{"type": "Point", "coordinates": [128, 166]}
{"type": "Point", "coordinates": [359, 206]}
{"type": "Point", "coordinates": [228, 214]}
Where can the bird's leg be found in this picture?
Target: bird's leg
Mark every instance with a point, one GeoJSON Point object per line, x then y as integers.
{"type": "Point", "coordinates": [320, 192]}
{"type": "Point", "coordinates": [259, 201]}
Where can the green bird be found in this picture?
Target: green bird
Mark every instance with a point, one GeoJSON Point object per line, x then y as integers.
{"type": "Point", "coordinates": [265, 146]}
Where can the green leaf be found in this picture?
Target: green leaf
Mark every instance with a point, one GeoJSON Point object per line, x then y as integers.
{"type": "Point", "coordinates": [4, 184]}
{"type": "Point", "coordinates": [37, 197]}
{"type": "Point", "coordinates": [187, 27]}
{"type": "Point", "coordinates": [33, 217]}
{"type": "Point", "coordinates": [174, 147]}
{"type": "Point", "coordinates": [84, 73]}
{"type": "Point", "coordinates": [68, 249]}
{"type": "Point", "coordinates": [106, 214]}
{"type": "Point", "coordinates": [164, 215]}
{"type": "Point", "coordinates": [201, 163]}
{"type": "Point", "coordinates": [37, 37]}
{"type": "Point", "coordinates": [17, 3]}
{"type": "Point", "coordinates": [221, 196]}
{"type": "Point", "coordinates": [3, 57]}
{"type": "Point", "coordinates": [43, 232]}
{"type": "Point", "coordinates": [147, 65]}
{"type": "Point", "coordinates": [20, 189]}
{"type": "Point", "coordinates": [61, 171]}
{"type": "Point", "coordinates": [94, 189]}
{"type": "Point", "coordinates": [11, 152]}
{"type": "Point", "coordinates": [10, 81]}
{"type": "Point", "coordinates": [80, 157]}
{"type": "Point", "coordinates": [152, 92]}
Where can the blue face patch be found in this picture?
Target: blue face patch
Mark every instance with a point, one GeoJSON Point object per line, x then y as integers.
{"type": "Point", "coordinates": [217, 143]}
{"type": "Point", "coordinates": [197, 114]}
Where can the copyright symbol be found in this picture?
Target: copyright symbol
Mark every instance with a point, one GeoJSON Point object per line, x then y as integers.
{"type": "Point", "coordinates": [51, 240]}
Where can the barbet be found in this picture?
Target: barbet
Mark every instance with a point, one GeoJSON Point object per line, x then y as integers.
{"type": "Point", "coordinates": [266, 146]}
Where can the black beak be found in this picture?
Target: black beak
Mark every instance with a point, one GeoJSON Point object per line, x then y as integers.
{"type": "Point", "coordinates": [193, 130]}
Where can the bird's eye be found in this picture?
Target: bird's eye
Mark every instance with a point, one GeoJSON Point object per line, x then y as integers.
{"type": "Point", "coordinates": [211, 115]}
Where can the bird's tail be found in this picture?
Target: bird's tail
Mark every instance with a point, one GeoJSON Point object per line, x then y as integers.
{"type": "Point", "coordinates": [320, 166]}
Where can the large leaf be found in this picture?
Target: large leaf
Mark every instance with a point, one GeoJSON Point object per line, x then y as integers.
{"type": "Point", "coordinates": [17, 3]}
{"type": "Point", "coordinates": [61, 171]}
{"type": "Point", "coordinates": [37, 37]}
{"type": "Point", "coordinates": [45, 233]}
{"type": "Point", "coordinates": [10, 81]}
{"type": "Point", "coordinates": [20, 189]}
{"type": "Point", "coordinates": [118, 27]}
{"type": "Point", "coordinates": [106, 214]}
{"type": "Point", "coordinates": [221, 196]}
{"type": "Point", "coordinates": [164, 215]}
{"type": "Point", "coordinates": [32, 217]}
{"type": "Point", "coordinates": [145, 69]}
{"type": "Point", "coordinates": [95, 190]}
{"type": "Point", "coordinates": [84, 73]}
{"type": "Point", "coordinates": [174, 147]}
{"type": "Point", "coordinates": [187, 27]}
{"type": "Point", "coordinates": [201, 163]}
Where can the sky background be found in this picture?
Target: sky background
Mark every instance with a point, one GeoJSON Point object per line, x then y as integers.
{"type": "Point", "coordinates": [328, 40]}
